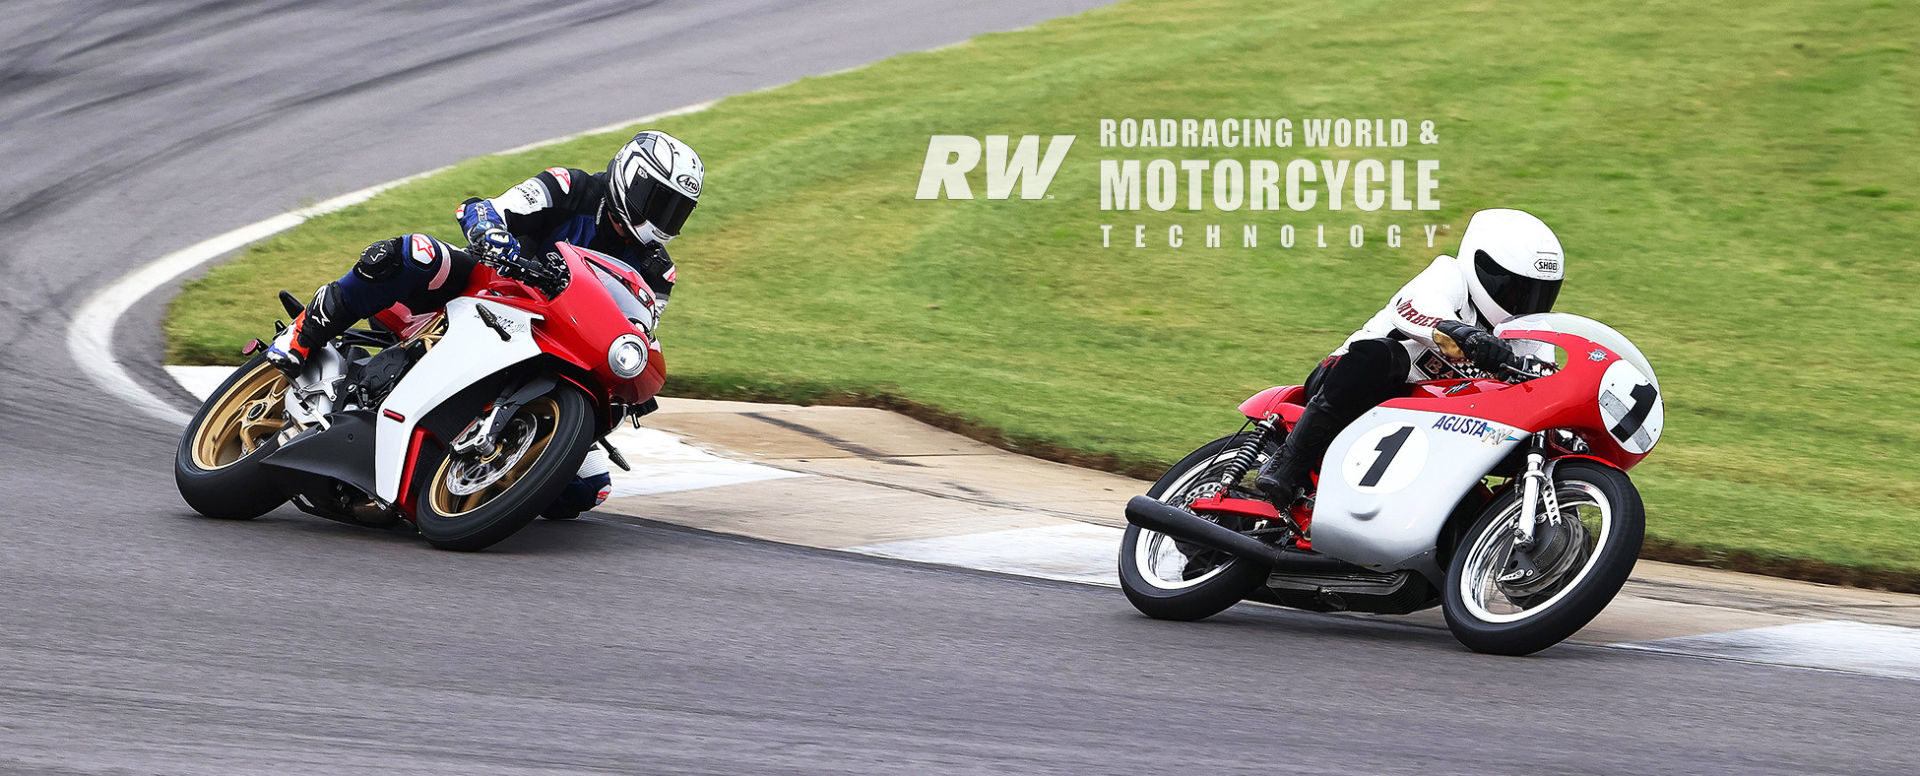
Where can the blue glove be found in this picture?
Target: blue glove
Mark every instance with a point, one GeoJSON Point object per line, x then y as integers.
{"type": "Point", "coordinates": [486, 231]}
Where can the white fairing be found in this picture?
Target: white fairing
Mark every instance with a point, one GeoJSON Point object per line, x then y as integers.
{"type": "Point", "coordinates": [469, 352]}
{"type": "Point", "coordinates": [1391, 479]}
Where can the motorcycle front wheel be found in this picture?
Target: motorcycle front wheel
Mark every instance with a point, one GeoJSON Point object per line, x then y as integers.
{"type": "Point", "coordinates": [1505, 600]}
{"type": "Point", "coordinates": [470, 501]}
{"type": "Point", "coordinates": [217, 464]}
{"type": "Point", "coordinates": [1167, 579]}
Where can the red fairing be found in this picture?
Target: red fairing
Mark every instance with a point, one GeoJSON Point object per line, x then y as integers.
{"type": "Point", "coordinates": [1565, 399]}
{"type": "Point", "coordinates": [580, 325]}
{"type": "Point", "coordinates": [1283, 399]}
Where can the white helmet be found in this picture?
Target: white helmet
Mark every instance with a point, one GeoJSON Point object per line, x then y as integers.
{"type": "Point", "coordinates": [1516, 264]}
{"type": "Point", "coordinates": [654, 182]}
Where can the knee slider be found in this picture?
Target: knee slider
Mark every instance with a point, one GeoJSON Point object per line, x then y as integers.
{"type": "Point", "coordinates": [380, 261]}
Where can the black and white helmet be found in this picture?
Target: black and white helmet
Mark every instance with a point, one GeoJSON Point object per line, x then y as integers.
{"type": "Point", "coordinates": [1513, 264]}
{"type": "Point", "coordinates": [654, 182]}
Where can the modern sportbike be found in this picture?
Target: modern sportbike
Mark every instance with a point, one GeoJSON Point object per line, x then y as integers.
{"type": "Point", "coordinates": [1502, 499]}
{"type": "Point", "coordinates": [467, 421]}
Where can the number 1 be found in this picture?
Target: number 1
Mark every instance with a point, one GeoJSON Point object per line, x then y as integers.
{"type": "Point", "coordinates": [1388, 448]}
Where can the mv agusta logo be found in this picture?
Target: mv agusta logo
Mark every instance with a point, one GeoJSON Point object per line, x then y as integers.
{"type": "Point", "coordinates": [1487, 433]}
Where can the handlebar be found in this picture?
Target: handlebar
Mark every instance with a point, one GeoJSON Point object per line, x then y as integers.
{"type": "Point", "coordinates": [1531, 368]}
{"type": "Point", "coordinates": [550, 279]}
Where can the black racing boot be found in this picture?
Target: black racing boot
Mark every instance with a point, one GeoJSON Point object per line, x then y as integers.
{"type": "Point", "coordinates": [313, 327]}
{"type": "Point", "coordinates": [1284, 478]}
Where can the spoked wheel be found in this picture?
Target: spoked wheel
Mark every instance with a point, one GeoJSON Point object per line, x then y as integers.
{"type": "Point", "coordinates": [1169, 579]}
{"type": "Point", "coordinates": [217, 465]}
{"type": "Point", "coordinates": [473, 500]}
{"type": "Point", "coordinates": [1505, 599]}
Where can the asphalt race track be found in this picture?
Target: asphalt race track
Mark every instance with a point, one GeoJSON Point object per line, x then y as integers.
{"type": "Point", "coordinates": [138, 638]}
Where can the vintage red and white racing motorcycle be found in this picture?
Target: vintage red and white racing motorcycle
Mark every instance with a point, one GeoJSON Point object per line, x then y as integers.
{"type": "Point", "coordinates": [1504, 501]}
{"type": "Point", "coordinates": [467, 421]}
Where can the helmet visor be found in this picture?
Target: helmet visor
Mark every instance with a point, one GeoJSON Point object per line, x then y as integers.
{"type": "Point", "coordinates": [648, 201]}
{"type": "Point", "coordinates": [1517, 294]}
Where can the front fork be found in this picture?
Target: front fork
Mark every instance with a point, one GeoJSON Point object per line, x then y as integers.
{"type": "Point", "coordinates": [1537, 491]}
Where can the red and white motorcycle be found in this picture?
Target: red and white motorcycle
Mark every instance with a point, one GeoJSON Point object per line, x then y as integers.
{"type": "Point", "coordinates": [1504, 501]}
{"type": "Point", "coordinates": [467, 421]}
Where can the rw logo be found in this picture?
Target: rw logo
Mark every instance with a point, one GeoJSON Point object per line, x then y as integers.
{"type": "Point", "coordinates": [951, 157]}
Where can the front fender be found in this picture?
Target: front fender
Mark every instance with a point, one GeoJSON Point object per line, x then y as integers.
{"type": "Point", "coordinates": [470, 351]}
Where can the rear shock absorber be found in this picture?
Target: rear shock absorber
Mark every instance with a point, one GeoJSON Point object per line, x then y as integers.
{"type": "Point", "coordinates": [1249, 452]}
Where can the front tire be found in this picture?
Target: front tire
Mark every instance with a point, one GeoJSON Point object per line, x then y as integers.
{"type": "Point", "coordinates": [1170, 580]}
{"type": "Point", "coordinates": [217, 464]}
{"type": "Point", "coordinates": [470, 502]}
{"type": "Point", "coordinates": [1578, 566]}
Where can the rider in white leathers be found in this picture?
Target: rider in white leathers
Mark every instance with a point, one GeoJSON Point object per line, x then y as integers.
{"type": "Point", "coordinates": [1510, 264]}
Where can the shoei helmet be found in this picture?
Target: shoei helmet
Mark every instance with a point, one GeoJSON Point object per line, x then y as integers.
{"type": "Point", "coordinates": [654, 182]}
{"type": "Point", "coordinates": [1516, 264]}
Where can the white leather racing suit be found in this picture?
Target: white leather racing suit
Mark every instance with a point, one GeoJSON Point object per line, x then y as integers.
{"type": "Point", "coordinates": [1438, 293]}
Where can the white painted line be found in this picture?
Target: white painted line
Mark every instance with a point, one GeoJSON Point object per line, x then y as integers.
{"type": "Point", "coordinates": [1069, 552]}
{"type": "Point", "coordinates": [664, 464]}
{"type": "Point", "coordinates": [199, 380]}
{"type": "Point", "coordinates": [661, 462]}
{"type": "Point", "coordinates": [90, 335]}
{"type": "Point", "coordinates": [1833, 645]}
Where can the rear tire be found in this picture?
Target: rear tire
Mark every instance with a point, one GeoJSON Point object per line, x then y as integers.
{"type": "Point", "coordinates": [217, 464]}
{"type": "Point", "coordinates": [559, 429]}
{"type": "Point", "coordinates": [1524, 623]}
{"type": "Point", "coordinates": [1216, 589]}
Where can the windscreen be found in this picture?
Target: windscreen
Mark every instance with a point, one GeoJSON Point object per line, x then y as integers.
{"type": "Point", "coordinates": [639, 311]}
{"type": "Point", "coordinates": [1600, 333]}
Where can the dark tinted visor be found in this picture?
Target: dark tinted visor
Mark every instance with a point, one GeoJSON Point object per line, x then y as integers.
{"type": "Point", "coordinates": [1516, 294]}
{"type": "Point", "coordinates": [667, 208]}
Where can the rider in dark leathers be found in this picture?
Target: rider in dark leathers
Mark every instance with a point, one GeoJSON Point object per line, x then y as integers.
{"type": "Point", "coordinates": [629, 212]}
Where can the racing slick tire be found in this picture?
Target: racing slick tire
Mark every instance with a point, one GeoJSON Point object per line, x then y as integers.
{"type": "Point", "coordinates": [217, 463]}
{"type": "Point", "coordinates": [1219, 582]}
{"type": "Point", "coordinates": [1489, 614]}
{"type": "Point", "coordinates": [470, 502]}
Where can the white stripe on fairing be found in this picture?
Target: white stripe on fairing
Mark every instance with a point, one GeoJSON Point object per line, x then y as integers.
{"type": "Point", "coordinates": [661, 462]}
{"type": "Point", "coordinates": [90, 335]}
{"type": "Point", "coordinates": [1833, 645]}
{"type": "Point", "coordinates": [1069, 552]}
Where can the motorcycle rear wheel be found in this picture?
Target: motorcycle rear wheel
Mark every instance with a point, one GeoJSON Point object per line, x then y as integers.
{"type": "Point", "coordinates": [1205, 582]}
{"type": "Point", "coordinates": [470, 502]}
{"type": "Point", "coordinates": [217, 464]}
{"type": "Point", "coordinates": [1589, 556]}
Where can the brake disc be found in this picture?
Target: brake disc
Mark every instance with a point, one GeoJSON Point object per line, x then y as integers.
{"type": "Point", "coordinates": [474, 472]}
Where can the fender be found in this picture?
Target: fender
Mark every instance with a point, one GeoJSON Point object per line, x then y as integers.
{"type": "Point", "coordinates": [469, 353]}
{"type": "Point", "coordinates": [1275, 399]}
{"type": "Point", "coordinates": [1556, 461]}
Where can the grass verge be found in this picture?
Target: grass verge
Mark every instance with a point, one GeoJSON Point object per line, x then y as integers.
{"type": "Point", "coordinates": [1735, 185]}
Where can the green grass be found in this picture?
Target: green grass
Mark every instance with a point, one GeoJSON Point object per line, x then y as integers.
{"type": "Point", "coordinates": [1735, 184]}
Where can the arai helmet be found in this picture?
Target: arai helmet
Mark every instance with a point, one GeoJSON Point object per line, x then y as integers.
{"type": "Point", "coordinates": [654, 182]}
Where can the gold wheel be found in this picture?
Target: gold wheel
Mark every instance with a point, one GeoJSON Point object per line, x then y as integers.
{"type": "Point", "coordinates": [468, 481]}
{"type": "Point", "coordinates": [248, 414]}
